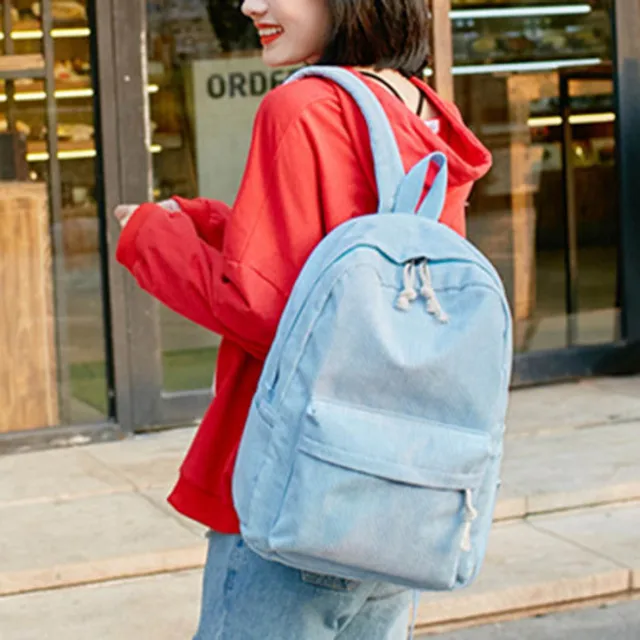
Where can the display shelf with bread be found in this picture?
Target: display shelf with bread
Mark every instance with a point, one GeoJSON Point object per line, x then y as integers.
{"type": "Point", "coordinates": [529, 36]}
{"type": "Point", "coordinates": [29, 29]}
{"type": "Point", "coordinates": [73, 92]}
{"type": "Point", "coordinates": [17, 66]}
{"type": "Point", "coordinates": [73, 149]}
{"type": "Point", "coordinates": [33, 91]}
{"type": "Point", "coordinates": [72, 74]}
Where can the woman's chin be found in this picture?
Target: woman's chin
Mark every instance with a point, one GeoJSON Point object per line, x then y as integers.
{"type": "Point", "coordinates": [275, 59]}
{"type": "Point", "coordinates": [275, 63]}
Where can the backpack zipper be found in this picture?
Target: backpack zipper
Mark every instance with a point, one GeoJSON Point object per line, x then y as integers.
{"type": "Point", "coordinates": [416, 271]}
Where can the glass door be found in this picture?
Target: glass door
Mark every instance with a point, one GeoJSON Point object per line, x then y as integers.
{"type": "Point", "coordinates": [534, 80]}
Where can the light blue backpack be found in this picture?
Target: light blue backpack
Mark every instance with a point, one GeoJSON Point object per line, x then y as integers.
{"type": "Point", "coordinates": [374, 441]}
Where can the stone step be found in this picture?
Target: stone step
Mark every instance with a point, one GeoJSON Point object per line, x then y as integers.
{"type": "Point", "coordinates": [89, 514]}
{"type": "Point", "coordinates": [543, 563]}
{"type": "Point", "coordinates": [163, 607]}
{"type": "Point", "coordinates": [65, 501]}
{"type": "Point", "coordinates": [570, 446]}
{"type": "Point", "coordinates": [604, 621]}
{"type": "Point", "coordinates": [573, 406]}
{"type": "Point", "coordinates": [98, 513]}
{"type": "Point", "coordinates": [95, 539]}
{"type": "Point", "coordinates": [570, 469]}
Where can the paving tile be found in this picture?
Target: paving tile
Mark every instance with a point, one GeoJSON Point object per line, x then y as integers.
{"type": "Point", "coordinates": [161, 607]}
{"type": "Point", "coordinates": [58, 474]}
{"type": "Point", "coordinates": [574, 469]}
{"type": "Point", "coordinates": [526, 568]}
{"type": "Point", "coordinates": [98, 538]}
{"type": "Point", "coordinates": [619, 621]}
{"type": "Point", "coordinates": [619, 385]}
{"type": "Point", "coordinates": [159, 498]}
{"type": "Point", "coordinates": [510, 505]}
{"type": "Point", "coordinates": [569, 406]}
{"type": "Point", "coordinates": [612, 532]}
{"type": "Point", "coordinates": [148, 461]}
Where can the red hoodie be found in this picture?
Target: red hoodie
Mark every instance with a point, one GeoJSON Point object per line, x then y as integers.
{"type": "Point", "coordinates": [232, 269]}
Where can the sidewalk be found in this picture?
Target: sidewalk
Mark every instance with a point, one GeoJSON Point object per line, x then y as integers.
{"type": "Point", "coordinates": [89, 548]}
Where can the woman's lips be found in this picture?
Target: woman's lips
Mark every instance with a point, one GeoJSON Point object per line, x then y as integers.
{"type": "Point", "coordinates": [269, 33]}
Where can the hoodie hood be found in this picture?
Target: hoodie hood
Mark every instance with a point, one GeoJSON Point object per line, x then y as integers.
{"type": "Point", "coordinates": [468, 159]}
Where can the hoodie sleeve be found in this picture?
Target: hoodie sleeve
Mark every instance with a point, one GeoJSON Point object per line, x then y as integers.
{"type": "Point", "coordinates": [236, 282]}
{"type": "Point", "coordinates": [209, 217]}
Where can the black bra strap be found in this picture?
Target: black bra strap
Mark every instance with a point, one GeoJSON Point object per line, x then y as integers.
{"type": "Point", "coordinates": [387, 84]}
{"type": "Point", "coordinates": [420, 103]}
{"type": "Point", "coordinates": [395, 92]}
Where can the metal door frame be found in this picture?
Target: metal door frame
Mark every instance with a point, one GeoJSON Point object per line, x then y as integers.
{"type": "Point", "coordinates": [141, 402]}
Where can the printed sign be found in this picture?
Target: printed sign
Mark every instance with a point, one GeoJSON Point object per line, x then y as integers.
{"type": "Point", "coordinates": [225, 97]}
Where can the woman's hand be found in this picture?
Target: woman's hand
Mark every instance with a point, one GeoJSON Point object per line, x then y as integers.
{"type": "Point", "coordinates": [123, 212]}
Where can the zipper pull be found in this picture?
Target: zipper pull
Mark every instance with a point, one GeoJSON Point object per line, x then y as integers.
{"type": "Point", "coordinates": [428, 292]}
{"type": "Point", "coordinates": [408, 294]}
{"type": "Point", "coordinates": [470, 515]}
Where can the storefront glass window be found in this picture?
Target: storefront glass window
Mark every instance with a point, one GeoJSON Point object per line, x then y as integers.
{"type": "Point", "coordinates": [206, 81]}
{"type": "Point", "coordinates": [510, 60]}
{"type": "Point", "coordinates": [52, 331]}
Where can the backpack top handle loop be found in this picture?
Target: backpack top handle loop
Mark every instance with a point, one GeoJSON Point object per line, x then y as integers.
{"type": "Point", "coordinates": [412, 187]}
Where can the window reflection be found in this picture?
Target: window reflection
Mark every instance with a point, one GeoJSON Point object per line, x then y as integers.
{"type": "Point", "coordinates": [509, 58]}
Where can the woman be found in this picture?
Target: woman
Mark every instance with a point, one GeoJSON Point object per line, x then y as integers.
{"type": "Point", "coordinates": [231, 269]}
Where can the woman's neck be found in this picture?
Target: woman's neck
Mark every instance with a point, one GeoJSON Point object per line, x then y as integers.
{"type": "Point", "coordinates": [402, 87]}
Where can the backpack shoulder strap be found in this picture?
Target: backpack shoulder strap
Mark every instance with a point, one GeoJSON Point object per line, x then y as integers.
{"type": "Point", "coordinates": [386, 155]}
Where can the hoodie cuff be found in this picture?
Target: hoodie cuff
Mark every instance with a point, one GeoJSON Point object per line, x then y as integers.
{"type": "Point", "coordinates": [126, 251]}
{"type": "Point", "coordinates": [196, 209]}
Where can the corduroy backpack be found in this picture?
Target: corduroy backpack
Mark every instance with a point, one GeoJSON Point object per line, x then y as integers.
{"type": "Point", "coordinates": [373, 445]}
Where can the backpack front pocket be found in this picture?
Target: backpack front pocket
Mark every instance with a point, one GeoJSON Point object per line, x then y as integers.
{"type": "Point", "coordinates": [391, 495]}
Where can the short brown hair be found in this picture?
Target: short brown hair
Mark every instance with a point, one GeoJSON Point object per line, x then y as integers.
{"type": "Point", "coordinates": [384, 34]}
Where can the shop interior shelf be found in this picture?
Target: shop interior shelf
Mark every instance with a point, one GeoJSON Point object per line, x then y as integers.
{"type": "Point", "coordinates": [13, 67]}
{"type": "Point", "coordinates": [31, 30]}
{"type": "Point", "coordinates": [65, 90]}
{"type": "Point", "coordinates": [68, 150]}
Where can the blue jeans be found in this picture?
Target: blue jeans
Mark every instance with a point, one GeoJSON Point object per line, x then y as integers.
{"type": "Point", "coordinates": [246, 597]}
